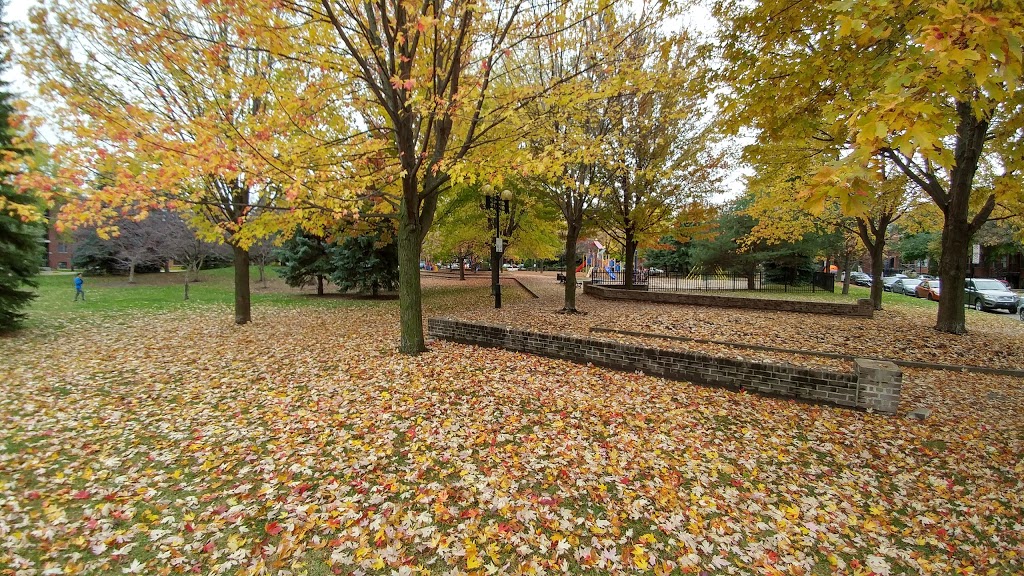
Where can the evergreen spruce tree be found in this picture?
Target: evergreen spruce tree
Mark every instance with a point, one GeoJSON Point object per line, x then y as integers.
{"type": "Point", "coordinates": [367, 263]}
{"type": "Point", "coordinates": [20, 241]}
{"type": "Point", "coordinates": [304, 258]}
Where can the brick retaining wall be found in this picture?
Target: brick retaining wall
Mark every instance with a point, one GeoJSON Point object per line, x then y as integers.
{"type": "Point", "coordinates": [875, 385]}
{"type": "Point", "coordinates": [862, 308]}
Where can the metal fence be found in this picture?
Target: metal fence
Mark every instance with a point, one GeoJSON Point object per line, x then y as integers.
{"type": "Point", "coordinates": [775, 281]}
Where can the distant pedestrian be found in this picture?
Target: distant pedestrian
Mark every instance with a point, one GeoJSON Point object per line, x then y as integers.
{"type": "Point", "coordinates": [78, 288]}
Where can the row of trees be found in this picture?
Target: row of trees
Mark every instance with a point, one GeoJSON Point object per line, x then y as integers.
{"type": "Point", "coordinates": [271, 117]}
{"type": "Point", "coordinates": [274, 117]}
{"type": "Point", "coordinates": [866, 112]}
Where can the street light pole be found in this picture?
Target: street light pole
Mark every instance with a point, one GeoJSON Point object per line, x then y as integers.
{"type": "Point", "coordinates": [499, 201]}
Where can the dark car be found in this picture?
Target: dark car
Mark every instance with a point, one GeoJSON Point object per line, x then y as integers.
{"type": "Point", "coordinates": [860, 279]}
{"type": "Point", "coordinates": [989, 294]}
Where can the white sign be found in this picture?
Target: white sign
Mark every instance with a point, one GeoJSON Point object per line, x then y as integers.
{"type": "Point", "coordinates": [977, 254]}
{"type": "Point", "coordinates": [498, 245]}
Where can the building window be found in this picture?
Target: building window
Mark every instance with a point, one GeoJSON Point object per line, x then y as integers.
{"type": "Point", "coordinates": [62, 248]}
{"type": "Point", "coordinates": [62, 265]}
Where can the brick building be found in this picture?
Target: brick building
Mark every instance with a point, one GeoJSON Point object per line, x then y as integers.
{"type": "Point", "coordinates": [59, 247]}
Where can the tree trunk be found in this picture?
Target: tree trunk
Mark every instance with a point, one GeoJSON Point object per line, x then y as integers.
{"type": "Point", "coordinates": [462, 268]}
{"type": "Point", "coordinates": [846, 272]}
{"type": "Point", "coordinates": [263, 278]}
{"type": "Point", "coordinates": [131, 273]}
{"type": "Point", "coordinates": [571, 236]}
{"type": "Point", "coordinates": [955, 245]}
{"type": "Point", "coordinates": [410, 295]}
{"type": "Point", "coordinates": [188, 272]}
{"type": "Point", "coordinates": [319, 284]}
{"type": "Point", "coordinates": [957, 226]}
{"type": "Point", "coordinates": [876, 251]}
{"type": "Point", "coordinates": [495, 275]}
{"type": "Point", "coordinates": [243, 299]}
{"type": "Point", "coordinates": [629, 247]}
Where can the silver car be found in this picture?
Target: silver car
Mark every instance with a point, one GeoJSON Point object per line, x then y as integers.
{"type": "Point", "coordinates": [888, 281]}
{"type": "Point", "coordinates": [990, 294]}
{"type": "Point", "coordinates": [906, 286]}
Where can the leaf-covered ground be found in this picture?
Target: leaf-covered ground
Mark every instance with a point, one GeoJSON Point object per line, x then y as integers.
{"type": "Point", "coordinates": [180, 443]}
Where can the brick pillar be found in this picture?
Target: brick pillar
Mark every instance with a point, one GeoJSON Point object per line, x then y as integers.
{"type": "Point", "coordinates": [878, 385]}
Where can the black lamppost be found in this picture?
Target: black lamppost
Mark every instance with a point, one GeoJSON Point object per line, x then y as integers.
{"type": "Point", "coordinates": [495, 200]}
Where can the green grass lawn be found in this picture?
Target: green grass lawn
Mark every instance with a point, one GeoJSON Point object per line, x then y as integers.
{"type": "Point", "coordinates": [150, 292]}
{"type": "Point", "coordinates": [111, 296]}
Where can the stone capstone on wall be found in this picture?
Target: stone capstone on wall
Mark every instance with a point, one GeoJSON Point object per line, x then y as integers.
{"type": "Point", "coordinates": [863, 308]}
{"type": "Point", "coordinates": [875, 385]}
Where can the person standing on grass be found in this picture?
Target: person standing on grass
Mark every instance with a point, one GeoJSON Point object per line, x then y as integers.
{"type": "Point", "coordinates": [78, 287]}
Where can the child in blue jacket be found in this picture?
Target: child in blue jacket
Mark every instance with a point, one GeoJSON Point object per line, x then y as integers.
{"type": "Point", "coordinates": [78, 288]}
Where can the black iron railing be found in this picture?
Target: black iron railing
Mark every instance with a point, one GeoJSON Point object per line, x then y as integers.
{"type": "Point", "coordinates": [774, 281]}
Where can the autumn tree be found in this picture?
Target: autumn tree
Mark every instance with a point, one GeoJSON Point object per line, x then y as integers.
{"type": "Point", "coordinates": [930, 90]}
{"type": "Point", "coordinates": [427, 80]}
{"type": "Point", "coordinates": [783, 170]}
{"type": "Point", "coordinates": [178, 108]}
{"type": "Point", "coordinates": [659, 146]}
{"type": "Point", "coordinates": [570, 143]}
{"type": "Point", "coordinates": [461, 231]}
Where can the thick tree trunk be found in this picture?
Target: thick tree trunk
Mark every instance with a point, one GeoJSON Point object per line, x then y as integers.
{"type": "Point", "coordinates": [410, 295]}
{"type": "Point", "coordinates": [957, 226]}
{"type": "Point", "coordinates": [876, 250]}
{"type": "Point", "coordinates": [571, 236]}
{"type": "Point", "coordinates": [956, 240]}
{"type": "Point", "coordinates": [462, 268]}
{"type": "Point", "coordinates": [319, 285]}
{"type": "Point", "coordinates": [131, 273]}
{"type": "Point", "coordinates": [243, 299]}
{"type": "Point", "coordinates": [629, 246]}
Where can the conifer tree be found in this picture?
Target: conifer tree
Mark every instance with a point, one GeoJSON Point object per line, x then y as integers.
{"type": "Point", "coordinates": [20, 236]}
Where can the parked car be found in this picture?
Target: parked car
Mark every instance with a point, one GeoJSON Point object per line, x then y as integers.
{"type": "Point", "coordinates": [928, 289]}
{"type": "Point", "coordinates": [655, 271]}
{"type": "Point", "coordinates": [990, 294]}
{"type": "Point", "coordinates": [860, 279]}
{"type": "Point", "coordinates": [905, 286]}
{"type": "Point", "coordinates": [887, 281]}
